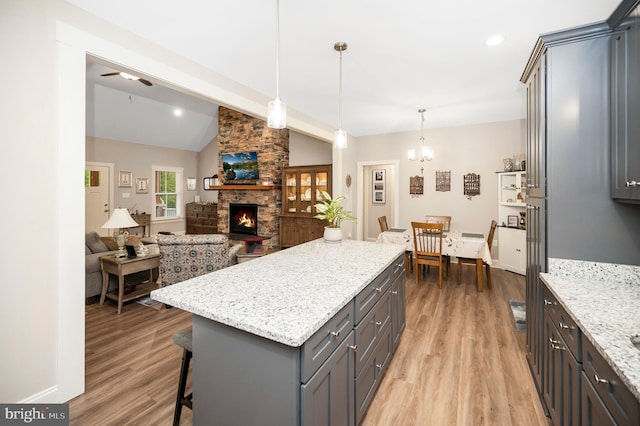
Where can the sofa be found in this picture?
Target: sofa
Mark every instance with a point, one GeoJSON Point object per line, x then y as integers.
{"type": "Point", "coordinates": [95, 248]}
{"type": "Point", "coordinates": [187, 256]}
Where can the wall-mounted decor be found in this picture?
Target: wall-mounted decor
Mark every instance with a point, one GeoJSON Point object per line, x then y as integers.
{"type": "Point", "coordinates": [416, 185]}
{"type": "Point", "coordinates": [240, 167]}
{"type": "Point", "coordinates": [348, 180]}
{"type": "Point", "coordinates": [443, 180]}
{"type": "Point", "coordinates": [191, 184]}
{"type": "Point", "coordinates": [379, 190]}
{"type": "Point", "coordinates": [471, 184]}
{"type": "Point", "coordinates": [512, 221]}
{"type": "Point", "coordinates": [142, 185]}
{"type": "Point", "coordinates": [125, 179]}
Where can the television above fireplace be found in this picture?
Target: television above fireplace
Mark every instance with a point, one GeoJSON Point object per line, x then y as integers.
{"type": "Point", "coordinates": [240, 168]}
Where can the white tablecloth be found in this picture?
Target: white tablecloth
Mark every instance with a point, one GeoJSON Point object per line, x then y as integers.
{"type": "Point", "coordinates": [472, 246]}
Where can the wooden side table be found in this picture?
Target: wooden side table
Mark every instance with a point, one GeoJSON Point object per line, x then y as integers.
{"type": "Point", "coordinates": [121, 267]}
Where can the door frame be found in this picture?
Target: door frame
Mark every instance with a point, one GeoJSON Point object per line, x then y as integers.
{"type": "Point", "coordinates": [395, 182]}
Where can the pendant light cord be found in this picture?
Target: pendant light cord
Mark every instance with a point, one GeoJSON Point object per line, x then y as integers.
{"type": "Point", "coordinates": [277, 49]}
{"type": "Point", "coordinates": [340, 92]}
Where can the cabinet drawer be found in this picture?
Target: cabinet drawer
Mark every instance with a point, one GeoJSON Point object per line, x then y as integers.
{"type": "Point", "coordinates": [619, 400]}
{"type": "Point", "coordinates": [368, 297]}
{"type": "Point", "coordinates": [370, 329]}
{"type": "Point", "coordinates": [319, 346]}
{"type": "Point", "coordinates": [564, 323]}
{"type": "Point", "coordinates": [368, 380]}
{"type": "Point", "coordinates": [398, 268]}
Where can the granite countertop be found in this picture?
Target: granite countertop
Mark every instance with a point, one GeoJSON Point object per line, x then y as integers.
{"type": "Point", "coordinates": [285, 296]}
{"type": "Point", "coordinates": [604, 300]}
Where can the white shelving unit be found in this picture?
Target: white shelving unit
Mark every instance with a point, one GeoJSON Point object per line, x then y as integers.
{"type": "Point", "coordinates": [512, 240]}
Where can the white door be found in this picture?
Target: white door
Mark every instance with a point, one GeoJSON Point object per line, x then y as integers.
{"type": "Point", "coordinates": [97, 184]}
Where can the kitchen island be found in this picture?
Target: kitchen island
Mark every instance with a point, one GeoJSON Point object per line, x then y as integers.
{"type": "Point", "coordinates": [300, 336]}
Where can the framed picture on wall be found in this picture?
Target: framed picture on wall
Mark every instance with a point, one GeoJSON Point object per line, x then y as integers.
{"type": "Point", "coordinates": [512, 221]}
{"type": "Point", "coordinates": [124, 180]}
{"type": "Point", "coordinates": [191, 184]}
{"type": "Point", "coordinates": [142, 185]}
{"type": "Point", "coordinates": [379, 189]}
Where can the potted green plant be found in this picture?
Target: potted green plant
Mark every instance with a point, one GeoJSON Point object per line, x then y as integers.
{"type": "Point", "coordinates": [332, 211]}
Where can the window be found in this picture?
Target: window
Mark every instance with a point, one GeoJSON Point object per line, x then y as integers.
{"type": "Point", "coordinates": [167, 182]}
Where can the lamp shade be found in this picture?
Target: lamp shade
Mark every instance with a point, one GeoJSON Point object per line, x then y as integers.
{"type": "Point", "coordinates": [120, 218]}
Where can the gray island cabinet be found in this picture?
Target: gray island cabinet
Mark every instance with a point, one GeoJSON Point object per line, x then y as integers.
{"type": "Point", "coordinates": [298, 337]}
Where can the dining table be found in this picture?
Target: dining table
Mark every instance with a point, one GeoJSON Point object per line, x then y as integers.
{"type": "Point", "coordinates": [459, 244]}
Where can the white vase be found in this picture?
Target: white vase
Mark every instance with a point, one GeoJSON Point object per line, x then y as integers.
{"type": "Point", "coordinates": [332, 235]}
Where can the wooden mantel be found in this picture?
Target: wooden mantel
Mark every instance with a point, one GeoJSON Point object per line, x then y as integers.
{"type": "Point", "coordinates": [245, 187]}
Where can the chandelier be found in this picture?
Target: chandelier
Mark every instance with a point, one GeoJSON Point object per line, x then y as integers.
{"type": "Point", "coordinates": [424, 153]}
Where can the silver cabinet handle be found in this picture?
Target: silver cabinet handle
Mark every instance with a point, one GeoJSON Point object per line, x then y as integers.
{"type": "Point", "coordinates": [564, 326]}
{"type": "Point", "coordinates": [553, 342]}
{"type": "Point", "coordinates": [379, 366]}
{"type": "Point", "coordinates": [599, 379]}
{"type": "Point", "coordinates": [556, 347]}
{"type": "Point", "coordinates": [394, 292]}
{"type": "Point", "coordinates": [353, 347]}
{"type": "Point", "coordinates": [378, 323]}
{"type": "Point", "coordinates": [335, 333]}
{"type": "Point", "coordinates": [632, 184]}
{"type": "Point", "coordinates": [378, 289]}
{"type": "Point", "coordinates": [547, 303]}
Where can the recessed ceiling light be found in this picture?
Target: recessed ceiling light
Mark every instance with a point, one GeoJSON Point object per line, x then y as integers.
{"type": "Point", "coordinates": [494, 40]}
{"type": "Point", "coordinates": [177, 112]}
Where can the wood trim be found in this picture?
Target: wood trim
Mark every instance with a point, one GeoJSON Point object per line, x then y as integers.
{"type": "Point", "coordinates": [246, 187]}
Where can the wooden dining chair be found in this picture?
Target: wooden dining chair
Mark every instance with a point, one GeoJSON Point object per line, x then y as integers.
{"type": "Point", "coordinates": [446, 222]}
{"type": "Point", "coordinates": [487, 267]}
{"type": "Point", "coordinates": [408, 256]}
{"type": "Point", "coordinates": [382, 220]}
{"type": "Point", "coordinates": [427, 243]}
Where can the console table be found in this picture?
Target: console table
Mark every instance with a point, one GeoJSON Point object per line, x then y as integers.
{"type": "Point", "coordinates": [121, 267]}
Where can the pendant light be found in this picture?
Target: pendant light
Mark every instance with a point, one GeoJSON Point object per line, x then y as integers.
{"type": "Point", "coordinates": [340, 136]}
{"type": "Point", "coordinates": [425, 153]}
{"type": "Point", "coordinates": [276, 109]}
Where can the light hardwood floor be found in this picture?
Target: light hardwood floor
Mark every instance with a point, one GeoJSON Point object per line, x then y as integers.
{"type": "Point", "coordinates": [460, 361]}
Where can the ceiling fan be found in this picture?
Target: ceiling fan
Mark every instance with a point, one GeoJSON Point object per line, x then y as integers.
{"type": "Point", "coordinates": [128, 77]}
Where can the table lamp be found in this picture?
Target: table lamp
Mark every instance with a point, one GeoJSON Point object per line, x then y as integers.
{"type": "Point", "coordinates": [120, 220]}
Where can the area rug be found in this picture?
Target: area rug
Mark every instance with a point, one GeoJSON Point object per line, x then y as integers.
{"type": "Point", "coordinates": [519, 311]}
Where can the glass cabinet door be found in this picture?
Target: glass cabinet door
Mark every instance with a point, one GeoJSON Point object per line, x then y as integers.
{"type": "Point", "coordinates": [321, 184]}
{"type": "Point", "coordinates": [306, 198]}
{"type": "Point", "coordinates": [290, 201]}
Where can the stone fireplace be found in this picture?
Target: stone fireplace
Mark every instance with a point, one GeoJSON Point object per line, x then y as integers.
{"type": "Point", "coordinates": [239, 132]}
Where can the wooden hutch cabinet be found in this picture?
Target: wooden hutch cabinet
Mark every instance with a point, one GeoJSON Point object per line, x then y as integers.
{"type": "Point", "coordinates": [301, 190]}
{"type": "Point", "coordinates": [202, 218]}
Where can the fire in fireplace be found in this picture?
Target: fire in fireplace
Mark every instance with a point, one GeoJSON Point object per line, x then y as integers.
{"type": "Point", "coordinates": [243, 219]}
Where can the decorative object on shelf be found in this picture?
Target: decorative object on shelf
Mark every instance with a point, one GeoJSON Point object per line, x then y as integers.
{"type": "Point", "coordinates": [276, 109]}
{"type": "Point", "coordinates": [379, 191]}
{"type": "Point", "coordinates": [340, 137]}
{"type": "Point", "coordinates": [471, 185]}
{"type": "Point", "coordinates": [142, 185]}
{"type": "Point", "coordinates": [348, 181]}
{"type": "Point", "coordinates": [416, 185]}
{"type": "Point", "coordinates": [207, 183]}
{"type": "Point", "coordinates": [119, 220]}
{"type": "Point", "coordinates": [191, 184]}
{"type": "Point", "coordinates": [125, 179]}
{"type": "Point", "coordinates": [332, 211]}
{"type": "Point", "coordinates": [443, 180]}
{"type": "Point", "coordinates": [523, 220]}
{"type": "Point", "coordinates": [512, 221]}
{"type": "Point", "coordinates": [424, 153]}
{"type": "Point", "coordinates": [508, 164]}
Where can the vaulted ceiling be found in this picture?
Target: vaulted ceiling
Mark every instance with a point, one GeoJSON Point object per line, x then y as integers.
{"type": "Point", "coordinates": [402, 56]}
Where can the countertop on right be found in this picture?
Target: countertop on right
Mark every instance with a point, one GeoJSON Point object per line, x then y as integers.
{"type": "Point", "coordinates": [604, 300]}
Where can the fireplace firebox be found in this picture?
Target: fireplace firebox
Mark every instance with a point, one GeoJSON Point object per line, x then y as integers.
{"type": "Point", "coordinates": [243, 219]}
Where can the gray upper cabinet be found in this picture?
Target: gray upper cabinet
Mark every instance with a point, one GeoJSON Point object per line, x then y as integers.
{"type": "Point", "coordinates": [625, 109]}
